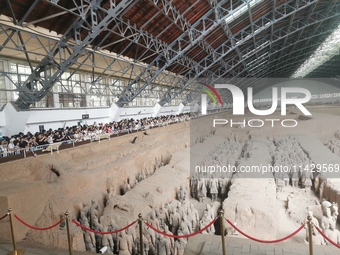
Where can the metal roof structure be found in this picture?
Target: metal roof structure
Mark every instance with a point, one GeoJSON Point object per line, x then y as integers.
{"type": "Point", "coordinates": [175, 42]}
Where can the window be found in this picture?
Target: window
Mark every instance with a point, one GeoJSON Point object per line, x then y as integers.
{"type": "Point", "coordinates": [3, 96]}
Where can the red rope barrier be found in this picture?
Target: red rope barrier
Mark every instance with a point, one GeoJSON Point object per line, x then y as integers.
{"type": "Point", "coordinates": [185, 236]}
{"type": "Point", "coordinates": [4, 216]}
{"type": "Point", "coordinates": [265, 241]}
{"type": "Point", "coordinates": [36, 228]}
{"type": "Point", "coordinates": [327, 238]}
{"type": "Point", "coordinates": [103, 233]}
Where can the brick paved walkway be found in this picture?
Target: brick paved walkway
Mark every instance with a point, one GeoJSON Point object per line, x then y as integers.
{"type": "Point", "coordinates": [200, 245]}
{"type": "Point", "coordinates": [241, 246]}
{"type": "Point", "coordinates": [35, 249]}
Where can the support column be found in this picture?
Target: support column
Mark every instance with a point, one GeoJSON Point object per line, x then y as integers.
{"type": "Point", "coordinates": [8, 84]}
{"type": "Point", "coordinates": [194, 108]}
{"type": "Point", "coordinates": [56, 102]}
{"type": "Point", "coordinates": [180, 108]}
{"type": "Point", "coordinates": [156, 110]}
{"type": "Point", "coordinates": [87, 89]}
{"type": "Point", "coordinates": [115, 112]}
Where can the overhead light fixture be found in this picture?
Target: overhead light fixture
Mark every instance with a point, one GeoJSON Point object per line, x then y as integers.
{"type": "Point", "coordinates": [258, 65]}
{"type": "Point", "coordinates": [258, 48]}
{"type": "Point", "coordinates": [328, 49]}
{"type": "Point", "coordinates": [258, 59]}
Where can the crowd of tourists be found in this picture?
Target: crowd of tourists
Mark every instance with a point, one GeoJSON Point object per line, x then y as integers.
{"type": "Point", "coordinates": [16, 144]}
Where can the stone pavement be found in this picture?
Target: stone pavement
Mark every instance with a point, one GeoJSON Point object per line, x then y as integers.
{"type": "Point", "coordinates": [242, 246]}
{"type": "Point", "coordinates": [35, 249]}
{"type": "Point", "coordinates": [198, 245]}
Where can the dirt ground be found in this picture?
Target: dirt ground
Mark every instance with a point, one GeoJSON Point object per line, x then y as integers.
{"type": "Point", "coordinates": [88, 172]}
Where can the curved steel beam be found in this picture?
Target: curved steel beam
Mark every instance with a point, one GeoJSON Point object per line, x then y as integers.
{"type": "Point", "coordinates": [30, 92]}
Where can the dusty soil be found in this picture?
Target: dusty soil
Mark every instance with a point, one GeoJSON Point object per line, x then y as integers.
{"type": "Point", "coordinates": [88, 172]}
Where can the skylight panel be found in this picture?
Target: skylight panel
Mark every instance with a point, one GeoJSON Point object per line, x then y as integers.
{"type": "Point", "coordinates": [328, 49]}
{"type": "Point", "coordinates": [243, 9]}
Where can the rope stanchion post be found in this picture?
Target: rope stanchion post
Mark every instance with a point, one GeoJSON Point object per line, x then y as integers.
{"type": "Point", "coordinates": [141, 243]}
{"type": "Point", "coordinates": [15, 251]}
{"type": "Point", "coordinates": [222, 232]}
{"type": "Point", "coordinates": [68, 233]}
{"type": "Point", "coordinates": [310, 234]}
